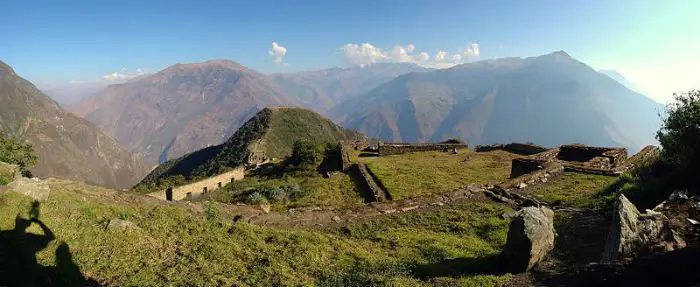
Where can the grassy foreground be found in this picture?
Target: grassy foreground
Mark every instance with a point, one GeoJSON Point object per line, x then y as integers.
{"type": "Point", "coordinates": [421, 173]}
{"type": "Point", "coordinates": [176, 246]}
{"type": "Point", "coordinates": [577, 190]}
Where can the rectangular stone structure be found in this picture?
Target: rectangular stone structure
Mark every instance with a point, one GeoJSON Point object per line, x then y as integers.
{"type": "Point", "coordinates": [197, 188]}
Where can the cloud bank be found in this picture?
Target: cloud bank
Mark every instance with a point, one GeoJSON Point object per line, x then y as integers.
{"type": "Point", "coordinates": [366, 54]}
{"type": "Point", "coordinates": [123, 75]}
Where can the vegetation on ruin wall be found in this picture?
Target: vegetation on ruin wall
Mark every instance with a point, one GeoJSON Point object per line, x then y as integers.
{"type": "Point", "coordinates": [437, 172]}
{"type": "Point", "coordinates": [300, 186]}
{"type": "Point", "coordinates": [178, 247]}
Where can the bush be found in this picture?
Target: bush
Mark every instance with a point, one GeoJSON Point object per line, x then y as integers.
{"type": "Point", "coordinates": [305, 153]}
{"type": "Point", "coordinates": [274, 194]}
{"type": "Point", "coordinates": [256, 198]}
{"type": "Point", "coordinates": [680, 132]}
{"type": "Point", "coordinates": [21, 154]}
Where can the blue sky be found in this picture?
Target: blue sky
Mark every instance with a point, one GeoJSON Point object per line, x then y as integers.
{"type": "Point", "coordinates": [653, 43]}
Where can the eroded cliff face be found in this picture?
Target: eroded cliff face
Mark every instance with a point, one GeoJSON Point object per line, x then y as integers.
{"type": "Point", "coordinates": [67, 146]}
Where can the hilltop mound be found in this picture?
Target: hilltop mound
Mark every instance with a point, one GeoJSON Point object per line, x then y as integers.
{"type": "Point", "coordinates": [269, 134]}
{"type": "Point", "coordinates": [67, 146]}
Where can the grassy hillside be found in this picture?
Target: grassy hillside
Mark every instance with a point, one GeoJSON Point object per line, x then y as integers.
{"type": "Point", "coordinates": [270, 133]}
{"type": "Point", "coordinates": [177, 246]}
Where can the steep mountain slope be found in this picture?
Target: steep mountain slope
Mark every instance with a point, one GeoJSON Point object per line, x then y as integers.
{"type": "Point", "coordinates": [182, 108]}
{"type": "Point", "coordinates": [67, 146]}
{"type": "Point", "coordinates": [320, 90]}
{"type": "Point", "coordinates": [550, 99]}
{"type": "Point", "coordinates": [615, 75]}
{"type": "Point", "coordinates": [269, 134]}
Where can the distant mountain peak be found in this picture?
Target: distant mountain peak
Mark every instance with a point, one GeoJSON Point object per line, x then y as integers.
{"type": "Point", "coordinates": [207, 64]}
{"type": "Point", "coordinates": [5, 68]}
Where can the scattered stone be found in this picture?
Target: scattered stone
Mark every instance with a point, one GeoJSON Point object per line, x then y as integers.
{"type": "Point", "coordinates": [678, 196]}
{"type": "Point", "coordinates": [439, 203]}
{"type": "Point", "coordinates": [530, 238]}
{"type": "Point", "coordinates": [693, 221]}
{"type": "Point", "coordinates": [409, 208]}
{"type": "Point", "coordinates": [121, 224]}
{"type": "Point", "coordinates": [336, 218]}
{"type": "Point", "coordinates": [316, 208]}
{"type": "Point", "coordinates": [32, 187]}
{"type": "Point", "coordinates": [508, 214]}
{"type": "Point", "coordinates": [265, 208]}
{"type": "Point", "coordinates": [633, 233]}
{"type": "Point", "coordinates": [522, 185]}
{"type": "Point", "coordinates": [498, 198]}
{"type": "Point", "coordinates": [387, 211]}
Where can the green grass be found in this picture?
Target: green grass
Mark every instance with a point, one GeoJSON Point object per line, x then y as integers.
{"type": "Point", "coordinates": [178, 247]}
{"type": "Point", "coordinates": [337, 191]}
{"type": "Point", "coordinates": [576, 190]}
{"type": "Point", "coordinates": [3, 181]}
{"type": "Point", "coordinates": [420, 173]}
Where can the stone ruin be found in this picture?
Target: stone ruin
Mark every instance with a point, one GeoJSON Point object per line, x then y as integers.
{"type": "Point", "coordinates": [577, 158]}
{"type": "Point", "coordinates": [401, 148]}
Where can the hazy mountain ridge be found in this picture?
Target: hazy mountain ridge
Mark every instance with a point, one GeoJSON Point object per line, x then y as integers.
{"type": "Point", "coordinates": [551, 99]}
{"type": "Point", "coordinates": [182, 108]}
{"type": "Point", "coordinates": [67, 146]}
{"type": "Point", "coordinates": [323, 89]}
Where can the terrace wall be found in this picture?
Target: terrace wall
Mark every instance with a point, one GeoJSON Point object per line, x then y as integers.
{"type": "Point", "coordinates": [401, 148]}
{"type": "Point", "coordinates": [197, 188]}
{"type": "Point", "coordinates": [517, 148]}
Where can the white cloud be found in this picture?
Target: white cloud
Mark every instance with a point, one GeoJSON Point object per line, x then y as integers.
{"type": "Point", "coordinates": [123, 75]}
{"type": "Point", "coordinates": [362, 54]}
{"type": "Point", "coordinates": [277, 52]}
{"type": "Point", "coordinates": [440, 55]}
{"type": "Point", "coordinates": [472, 50]}
{"type": "Point", "coordinates": [366, 53]}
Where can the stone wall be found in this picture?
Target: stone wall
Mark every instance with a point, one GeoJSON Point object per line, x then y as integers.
{"type": "Point", "coordinates": [517, 148]}
{"type": "Point", "coordinates": [520, 166]}
{"type": "Point", "coordinates": [580, 153]}
{"type": "Point", "coordinates": [197, 188]}
{"type": "Point", "coordinates": [401, 148]}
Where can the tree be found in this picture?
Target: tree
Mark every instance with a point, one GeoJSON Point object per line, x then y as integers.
{"type": "Point", "coordinates": [304, 152]}
{"type": "Point", "coordinates": [21, 154]}
{"type": "Point", "coordinates": [680, 132]}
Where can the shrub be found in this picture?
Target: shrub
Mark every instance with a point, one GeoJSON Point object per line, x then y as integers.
{"type": "Point", "coordinates": [304, 153]}
{"type": "Point", "coordinates": [256, 198]}
{"type": "Point", "coordinates": [21, 154]}
{"type": "Point", "coordinates": [680, 132]}
{"type": "Point", "coordinates": [210, 211]}
{"type": "Point", "coordinates": [274, 194]}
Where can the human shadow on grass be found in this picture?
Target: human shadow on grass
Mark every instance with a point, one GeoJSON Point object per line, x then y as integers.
{"type": "Point", "coordinates": [487, 265]}
{"type": "Point", "coordinates": [18, 263]}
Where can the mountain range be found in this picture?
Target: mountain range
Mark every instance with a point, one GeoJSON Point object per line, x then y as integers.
{"type": "Point", "coordinates": [66, 145]}
{"type": "Point", "coordinates": [186, 107]}
{"type": "Point", "coordinates": [552, 99]}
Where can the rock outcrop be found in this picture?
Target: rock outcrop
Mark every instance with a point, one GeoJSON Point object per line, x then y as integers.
{"type": "Point", "coordinates": [32, 187]}
{"type": "Point", "coordinates": [530, 238]}
{"type": "Point", "coordinates": [121, 224]}
{"type": "Point", "coordinates": [634, 233]}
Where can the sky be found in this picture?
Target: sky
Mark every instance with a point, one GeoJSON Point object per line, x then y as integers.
{"type": "Point", "coordinates": [654, 44]}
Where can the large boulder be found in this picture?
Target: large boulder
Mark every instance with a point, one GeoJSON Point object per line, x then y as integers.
{"type": "Point", "coordinates": [634, 233]}
{"type": "Point", "coordinates": [530, 238]}
{"type": "Point", "coordinates": [32, 187]}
